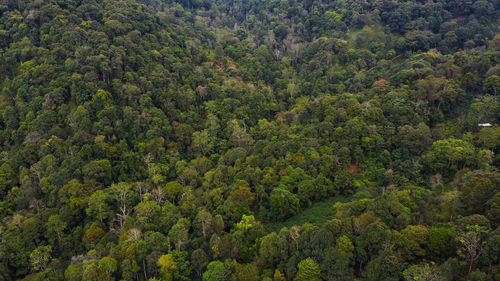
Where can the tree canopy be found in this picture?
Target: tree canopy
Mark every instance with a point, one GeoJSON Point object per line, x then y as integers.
{"type": "Point", "coordinates": [249, 140]}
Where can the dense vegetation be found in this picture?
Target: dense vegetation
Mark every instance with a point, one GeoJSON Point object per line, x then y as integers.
{"type": "Point", "coordinates": [163, 140]}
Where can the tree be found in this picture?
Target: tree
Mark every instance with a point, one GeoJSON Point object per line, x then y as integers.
{"type": "Point", "coordinates": [203, 142]}
{"type": "Point", "coordinates": [308, 270]}
{"type": "Point", "coordinates": [239, 135]}
{"type": "Point", "coordinates": [179, 233]}
{"type": "Point", "coordinates": [295, 236]}
{"type": "Point", "coordinates": [482, 8]}
{"type": "Point", "coordinates": [92, 235]}
{"type": "Point", "coordinates": [244, 236]}
{"type": "Point", "coordinates": [492, 85]}
{"type": "Point", "coordinates": [339, 260]}
{"type": "Point", "coordinates": [108, 265]}
{"type": "Point", "coordinates": [147, 212]}
{"type": "Point", "coordinates": [308, 190]}
{"type": "Point", "coordinates": [199, 260]}
{"type": "Point", "coordinates": [489, 137]}
{"type": "Point", "coordinates": [99, 270]}
{"type": "Point", "coordinates": [388, 265]}
{"type": "Point", "coordinates": [424, 272]}
{"type": "Point", "coordinates": [344, 182]}
{"type": "Point", "coordinates": [416, 236]}
{"type": "Point", "coordinates": [204, 222]}
{"type": "Point", "coordinates": [7, 177]}
{"type": "Point", "coordinates": [40, 257]}
{"type": "Point", "coordinates": [102, 96]}
{"type": "Point", "coordinates": [98, 171]}
{"type": "Point", "coordinates": [471, 244]}
{"type": "Point", "coordinates": [269, 250]}
{"type": "Point", "coordinates": [493, 209]}
{"type": "Point", "coordinates": [167, 266]}
{"type": "Point", "coordinates": [439, 241]}
{"type": "Point", "coordinates": [129, 269]}
{"type": "Point", "coordinates": [56, 227]}
{"type": "Point", "coordinates": [278, 276]}
{"type": "Point", "coordinates": [494, 43]}
{"type": "Point", "coordinates": [371, 240]}
{"type": "Point", "coordinates": [239, 202]}
{"type": "Point", "coordinates": [98, 206]}
{"type": "Point", "coordinates": [73, 273]}
{"type": "Point", "coordinates": [476, 193]}
{"type": "Point", "coordinates": [122, 193]}
{"type": "Point", "coordinates": [173, 191]}
{"type": "Point", "coordinates": [217, 271]}
{"type": "Point", "coordinates": [245, 272]}
{"type": "Point", "coordinates": [449, 155]}
{"type": "Point", "coordinates": [283, 204]}
{"type": "Point", "coordinates": [242, 197]}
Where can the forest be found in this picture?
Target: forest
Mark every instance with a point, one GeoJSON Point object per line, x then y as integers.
{"type": "Point", "coordinates": [250, 140]}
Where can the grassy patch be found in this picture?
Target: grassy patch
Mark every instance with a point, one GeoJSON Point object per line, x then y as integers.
{"type": "Point", "coordinates": [317, 214]}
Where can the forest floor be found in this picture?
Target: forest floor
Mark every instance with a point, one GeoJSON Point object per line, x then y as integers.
{"type": "Point", "coordinates": [317, 214]}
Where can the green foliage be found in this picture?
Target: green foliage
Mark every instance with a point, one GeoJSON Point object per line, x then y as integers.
{"type": "Point", "coordinates": [449, 155]}
{"type": "Point", "coordinates": [308, 269]}
{"type": "Point", "coordinates": [217, 271]}
{"type": "Point", "coordinates": [439, 240]}
{"type": "Point", "coordinates": [317, 214]}
{"type": "Point", "coordinates": [167, 266]}
{"type": "Point", "coordinates": [148, 139]}
{"type": "Point", "coordinates": [40, 257]}
{"type": "Point", "coordinates": [245, 272]}
{"type": "Point", "coordinates": [73, 273]}
{"type": "Point", "coordinates": [422, 272]}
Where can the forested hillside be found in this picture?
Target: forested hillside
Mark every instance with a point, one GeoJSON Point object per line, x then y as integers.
{"type": "Point", "coordinates": [250, 140]}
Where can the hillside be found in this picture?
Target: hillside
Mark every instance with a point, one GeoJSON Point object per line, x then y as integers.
{"type": "Point", "coordinates": [249, 140]}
